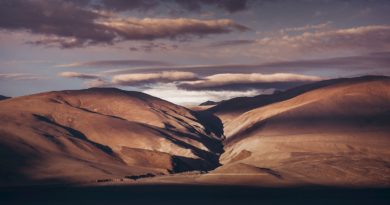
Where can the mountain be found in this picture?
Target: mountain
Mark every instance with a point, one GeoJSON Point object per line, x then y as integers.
{"type": "Point", "coordinates": [336, 135]}
{"type": "Point", "coordinates": [230, 109]}
{"type": "Point", "coordinates": [2, 97]}
{"type": "Point", "coordinates": [207, 103]}
{"type": "Point", "coordinates": [329, 133]}
{"type": "Point", "coordinates": [99, 133]}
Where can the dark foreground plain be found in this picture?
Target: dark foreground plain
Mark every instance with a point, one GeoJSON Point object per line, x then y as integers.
{"type": "Point", "coordinates": [321, 143]}
{"type": "Point", "coordinates": [191, 194]}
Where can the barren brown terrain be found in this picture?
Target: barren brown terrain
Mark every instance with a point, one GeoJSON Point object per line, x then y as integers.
{"type": "Point", "coordinates": [88, 135]}
{"type": "Point", "coordinates": [336, 135]}
{"type": "Point", "coordinates": [332, 133]}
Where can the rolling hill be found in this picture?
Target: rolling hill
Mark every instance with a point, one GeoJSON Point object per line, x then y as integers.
{"type": "Point", "coordinates": [86, 135]}
{"type": "Point", "coordinates": [230, 109]}
{"type": "Point", "coordinates": [334, 135]}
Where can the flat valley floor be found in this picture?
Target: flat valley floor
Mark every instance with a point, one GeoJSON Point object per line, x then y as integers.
{"type": "Point", "coordinates": [191, 194]}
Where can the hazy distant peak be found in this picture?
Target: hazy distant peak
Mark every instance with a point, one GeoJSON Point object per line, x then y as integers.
{"type": "Point", "coordinates": [2, 97]}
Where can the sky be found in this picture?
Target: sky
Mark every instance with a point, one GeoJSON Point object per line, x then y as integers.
{"type": "Point", "coordinates": [189, 51]}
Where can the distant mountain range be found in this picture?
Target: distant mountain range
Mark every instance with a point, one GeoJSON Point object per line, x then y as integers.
{"type": "Point", "coordinates": [209, 102]}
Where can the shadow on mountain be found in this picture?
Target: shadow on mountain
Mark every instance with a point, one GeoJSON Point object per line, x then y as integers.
{"type": "Point", "coordinates": [13, 164]}
{"type": "Point", "coordinates": [76, 134]}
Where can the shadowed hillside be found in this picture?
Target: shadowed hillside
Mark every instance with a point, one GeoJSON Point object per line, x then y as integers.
{"type": "Point", "coordinates": [2, 97]}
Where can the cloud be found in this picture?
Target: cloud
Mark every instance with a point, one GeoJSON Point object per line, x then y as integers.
{"type": "Point", "coordinates": [140, 79]}
{"type": "Point", "coordinates": [307, 42]}
{"type": "Point", "coordinates": [214, 87]}
{"type": "Point", "coordinates": [307, 27]}
{"type": "Point", "coordinates": [189, 5]}
{"type": "Point", "coordinates": [192, 81]}
{"type": "Point", "coordinates": [61, 20]}
{"type": "Point", "coordinates": [356, 39]}
{"type": "Point", "coordinates": [68, 24]}
{"type": "Point", "coordinates": [245, 81]}
{"type": "Point", "coordinates": [97, 83]}
{"type": "Point", "coordinates": [20, 76]}
{"type": "Point", "coordinates": [158, 28]}
{"type": "Point", "coordinates": [232, 43]}
{"type": "Point", "coordinates": [373, 63]}
{"type": "Point", "coordinates": [123, 5]}
{"type": "Point", "coordinates": [53, 41]}
{"type": "Point", "coordinates": [92, 80]}
{"type": "Point", "coordinates": [376, 62]}
{"type": "Point", "coordinates": [152, 46]}
{"type": "Point", "coordinates": [78, 75]}
{"type": "Point", "coordinates": [173, 94]}
{"type": "Point", "coordinates": [114, 63]}
{"type": "Point", "coordinates": [228, 5]}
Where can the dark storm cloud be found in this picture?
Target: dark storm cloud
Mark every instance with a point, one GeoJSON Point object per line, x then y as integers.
{"type": "Point", "coordinates": [55, 18]}
{"type": "Point", "coordinates": [67, 24]}
{"type": "Point", "coordinates": [178, 28]}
